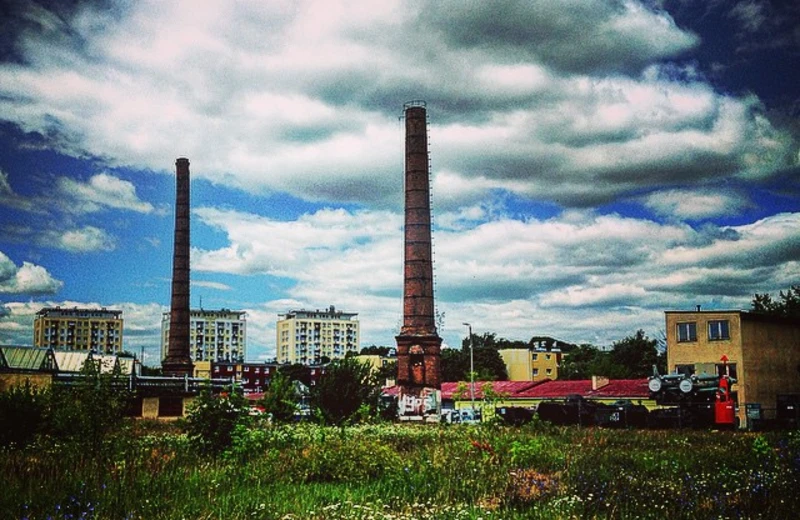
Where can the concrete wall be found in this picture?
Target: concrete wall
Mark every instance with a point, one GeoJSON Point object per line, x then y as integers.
{"type": "Point", "coordinates": [771, 362]}
{"type": "Point", "coordinates": [518, 363]}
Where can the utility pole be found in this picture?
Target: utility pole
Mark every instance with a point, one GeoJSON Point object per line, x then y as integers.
{"type": "Point", "coordinates": [471, 371]}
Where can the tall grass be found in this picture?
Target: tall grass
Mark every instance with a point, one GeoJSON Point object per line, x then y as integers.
{"type": "Point", "coordinates": [149, 471]}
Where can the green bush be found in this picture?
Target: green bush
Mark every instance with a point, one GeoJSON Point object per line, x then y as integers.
{"type": "Point", "coordinates": [348, 391]}
{"type": "Point", "coordinates": [213, 419]}
{"type": "Point", "coordinates": [280, 401]}
{"type": "Point", "coordinates": [23, 414]}
{"type": "Point", "coordinates": [89, 410]}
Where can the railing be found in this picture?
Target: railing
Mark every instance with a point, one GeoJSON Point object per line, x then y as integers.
{"type": "Point", "coordinates": [158, 384]}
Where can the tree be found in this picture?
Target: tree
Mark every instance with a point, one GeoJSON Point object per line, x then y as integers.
{"type": "Point", "coordinates": [296, 372]}
{"type": "Point", "coordinates": [454, 364]}
{"type": "Point", "coordinates": [373, 350]}
{"type": "Point", "coordinates": [579, 362]}
{"type": "Point", "coordinates": [279, 400]}
{"type": "Point", "coordinates": [634, 356]}
{"type": "Point", "coordinates": [488, 365]}
{"type": "Point", "coordinates": [348, 387]}
{"type": "Point", "coordinates": [788, 306]}
{"type": "Point", "coordinates": [387, 371]}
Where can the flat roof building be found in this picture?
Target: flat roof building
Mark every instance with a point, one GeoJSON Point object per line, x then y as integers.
{"type": "Point", "coordinates": [98, 330]}
{"type": "Point", "coordinates": [761, 352]}
{"type": "Point", "coordinates": [214, 335]}
{"type": "Point", "coordinates": [309, 337]}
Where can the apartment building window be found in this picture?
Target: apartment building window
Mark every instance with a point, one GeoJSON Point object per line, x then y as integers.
{"type": "Point", "coordinates": [535, 372]}
{"type": "Point", "coordinates": [718, 329]}
{"type": "Point", "coordinates": [687, 332]}
{"type": "Point", "coordinates": [549, 371]}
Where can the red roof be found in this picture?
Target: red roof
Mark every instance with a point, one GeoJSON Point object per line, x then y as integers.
{"type": "Point", "coordinates": [549, 389]}
{"type": "Point", "coordinates": [557, 389]}
{"type": "Point", "coordinates": [502, 388]}
{"type": "Point", "coordinates": [623, 388]}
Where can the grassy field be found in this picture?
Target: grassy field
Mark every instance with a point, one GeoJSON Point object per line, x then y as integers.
{"type": "Point", "coordinates": [388, 471]}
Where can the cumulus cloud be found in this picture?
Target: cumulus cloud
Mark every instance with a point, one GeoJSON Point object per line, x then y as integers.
{"type": "Point", "coordinates": [101, 191]}
{"type": "Point", "coordinates": [577, 275]}
{"type": "Point", "coordinates": [566, 104]}
{"type": "Point", "coordinates": [29, 279]}
{"type": "Point", "coordinates": [86, 239]}
{"type": "Point", "coordinates": [695, 205]}
{"type": "Point", "coordinates": [557, 101]}
{"type": "Point", "coordinates": [300, 249]}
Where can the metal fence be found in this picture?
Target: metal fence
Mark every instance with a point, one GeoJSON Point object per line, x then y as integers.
{"type": "Point", "coordinates": [157, 385]}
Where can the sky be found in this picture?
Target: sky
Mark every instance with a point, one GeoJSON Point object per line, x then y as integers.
{"type": "Point", "coordinates": [593, 163]}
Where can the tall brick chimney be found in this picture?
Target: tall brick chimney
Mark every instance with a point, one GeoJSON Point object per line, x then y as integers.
{"type": "Point", "coordinates": [418, 345]}
{"type": "Point", "coordinates": [178, 361]}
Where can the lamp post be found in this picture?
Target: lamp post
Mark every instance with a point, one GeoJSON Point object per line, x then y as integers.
{"type": "Point", "coordinates": [471, 371]}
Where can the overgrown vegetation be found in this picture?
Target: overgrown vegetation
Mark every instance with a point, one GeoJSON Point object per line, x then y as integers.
{"type": "Point", "coordinates": [347, 390]}
{"type": "Point", "coordinates": [307, 471]}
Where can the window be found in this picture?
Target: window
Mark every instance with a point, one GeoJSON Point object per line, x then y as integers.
{"type": "Point", "coordinates": [686, 370]}
{"type": "Point", "coordinates": [547, 357]}
{"type": "Point", "coordinates": [535, 372]}
{"type": "Point", "coordinates": [549, 371]}
{"type": "Point", "coordinates": [687, 332]}
{"type": "Point", "coordinates": [535, 357]}
{"type": "Point", "coordinates": [718, 329]}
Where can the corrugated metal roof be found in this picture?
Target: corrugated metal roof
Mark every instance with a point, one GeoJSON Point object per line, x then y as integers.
{"type": "Point", "coordinates": [623, 388]}
{"type": "Point", "coordinates": [126, 365]}
{"type": "Point", "coordinates": [501, 388]}
{"type": "Point", "coordinates": [27, 358]}
{"type": "Point", "coordinates": [557, 389]}
{"type": "Point", "coordinates": [106, 362]}
{"type": "Point", "coordinates": [70, 360]}
{"type": "Point", "coordinates": [548, 389]}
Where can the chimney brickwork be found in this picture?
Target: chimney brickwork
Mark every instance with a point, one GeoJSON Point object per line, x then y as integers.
{"type": "Point", "coordinates": [418, 345]}
{"type": "Point", "coordinates": [178, 361]}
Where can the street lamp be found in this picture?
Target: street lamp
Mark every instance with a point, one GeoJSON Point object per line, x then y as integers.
{"type": "Point", "coordinates": [471, 371]}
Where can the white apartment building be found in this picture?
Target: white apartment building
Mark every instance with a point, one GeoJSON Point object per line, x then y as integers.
{"type": "Point", "coordinates": [307, 337]}
{"type": "Point", "coordinates": [214, 335]}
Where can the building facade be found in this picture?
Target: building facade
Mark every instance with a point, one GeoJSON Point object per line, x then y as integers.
{"type": "Point", "coordinates": [255, 377]}
{"type": "Point", "coordinates": [309, 337]}
{"type": "Point", "coordinates": [523, 364]}
{"type": "Point", "coordinates": [98, 330]}
{"type": "Point", "coordinates": [214, 335]}
{"type": "Point", "coordinates": [761, 352]}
